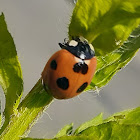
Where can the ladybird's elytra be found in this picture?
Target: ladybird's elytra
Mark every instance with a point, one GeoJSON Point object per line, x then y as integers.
{"type": "Point", "coordinates": [70, 70]}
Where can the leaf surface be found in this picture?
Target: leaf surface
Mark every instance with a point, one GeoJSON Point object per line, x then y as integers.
{"type": "Point", "coordinates": [121, 125]}
{"type": "Point", "coordinates": [113, 131]}
{"type": "Point", "coordinates": [10, 70]}
{"type": "Point", "coordinates": [65, 131]}
{"type": "Point", "coordinates": [66, 138]}
{"type": "Point", "coordinates": [106, 24]}
{"type": "Point", "coordinates": [95, 121]}
{"type": "Point", "coordinates": [113, 62]}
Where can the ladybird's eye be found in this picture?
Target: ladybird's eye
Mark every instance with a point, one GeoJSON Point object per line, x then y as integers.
{"type": "Point", "coordinates": [82, 56]}
{"type": "Point", "coordinates": [73, 43]}
{"type": "Point", "coordinates": [53, 64]}
{"type": "Point", "coordinates": [91, 47]}
{"type": "Point", "coordinates": [81, 88]}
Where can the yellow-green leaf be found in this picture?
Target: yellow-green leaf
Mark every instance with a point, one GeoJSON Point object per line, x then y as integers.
{"type": "Point", "coordinates": [113, 62]}
{"type": "Point", "coordinates": [10, 70]}
{"type": "Point", "coordinates": [105, 23]}
{"type": "Point", "coordinates": [95, 121]}
{"type": "Point", "coordinates": [65, 131]}
{"type": "Point", "coordinates": [66, 138]}
{"type": "Point", "coordinates": [113, 131]}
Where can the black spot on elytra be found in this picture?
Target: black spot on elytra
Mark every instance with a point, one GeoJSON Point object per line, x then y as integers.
{"type": "Point", "coordinates": [81, 88]}
{"type": "Point", "coordinates": [53, 65]}
{"type": "Point", "coordinates": [77, 67]}
{"type": "Point", "coordinates": [83, 67]}
{"type": "Point", "coordinates": [63, 83]}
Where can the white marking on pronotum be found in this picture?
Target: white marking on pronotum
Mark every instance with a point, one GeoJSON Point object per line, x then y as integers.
{"type": "Point", "coordinates": [87, 62]}
{"type": "Point", "coordinates": [82, 56]}
{"type": "Point", "coordinates": [73, 43]}
{"type": "Point", "coordinates": [78, 60]}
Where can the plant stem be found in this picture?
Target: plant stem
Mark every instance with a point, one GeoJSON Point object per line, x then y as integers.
{"type": "Point", "coordinates": [29, 110]}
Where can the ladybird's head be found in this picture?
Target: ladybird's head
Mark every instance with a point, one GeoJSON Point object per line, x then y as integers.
{"type": "Point", "coordinates": [79, 47]}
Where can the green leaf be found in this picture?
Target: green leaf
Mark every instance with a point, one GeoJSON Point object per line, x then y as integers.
{"type": "Point", "coordinates": [10, 70]}
{"type": "Point", "coordinates": [32, 139]}
{"type": "Point", "coordinates": [95, 121]}
{"type": "Point", "coordinates": [21, 116]}
{"type": "Point", "coordinates": [113, 62]}
{"type": "Point", "coordinates": [125, 124]}
{"type": "Point", "coordinates": [131, 116]}
{"type": "Point", "coordinates": [105, 23]}
{"type": "Point", "coordinates": [121, 125]}
{"type": "Point", "coordinates": [118, 116]}
{"type": "Point", "coordinates": [15, 107]}
{"type": "Point", "coordinates": [67, 130]}
{"type": "Point", "coordinates": [114, 131]}
{"type": "Point", "coordinates": [28, 111]}
{"type": "Point", "coordinates": [0, 115]}
{"type": "Point", "coordinates": [66, 138]}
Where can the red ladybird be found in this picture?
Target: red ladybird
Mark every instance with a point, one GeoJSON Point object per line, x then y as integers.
{"type": "Point", "coordinates": [70, 70]}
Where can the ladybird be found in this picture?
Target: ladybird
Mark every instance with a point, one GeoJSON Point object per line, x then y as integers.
{"type": "Point", "coordinates": [70, 70]}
